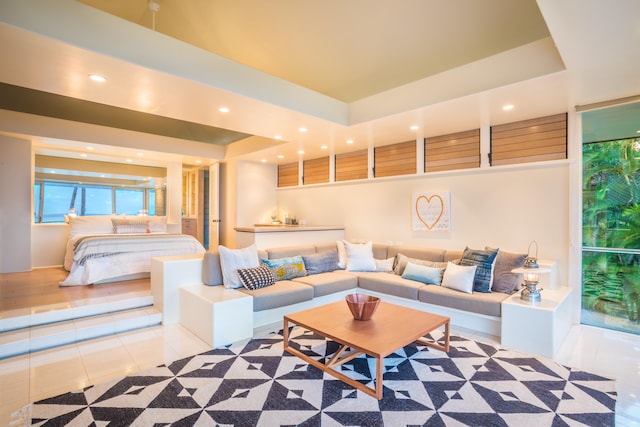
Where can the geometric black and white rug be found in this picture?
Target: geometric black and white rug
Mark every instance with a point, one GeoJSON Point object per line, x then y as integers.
{"type": "Point", "coordinates": [255, 383]}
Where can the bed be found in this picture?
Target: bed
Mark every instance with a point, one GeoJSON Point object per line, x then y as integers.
{"type": "Point", "coordinates": [107, 248]}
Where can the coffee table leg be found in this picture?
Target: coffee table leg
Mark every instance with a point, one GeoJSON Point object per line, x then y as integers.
{"type": "Point", "coordinates": [285, 333]}
{"type": "Point", "coordinates": [379, 377]}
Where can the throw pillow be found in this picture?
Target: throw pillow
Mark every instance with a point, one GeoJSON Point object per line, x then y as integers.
{"type": "Point", "coordinates": [459, 277]}
{"type": "Point", "coordinates": [130, 225]}
{"type": "Point", "coordinates": [359, 256]}
{"type": "Point", "coordinates": [484, 260]}
{"type": "Point", "coordinates": [256, 277]}
{"type": "Point", "coordinates": [402, 260]}
{"type": "Point", "coordinates": [423, 273]}
{"type": "Point", "coordinates": [342, 254]}
{"type": "Point", "coordinates": [232, 260]}
{"type": "Point", "coordinates": [286, 268]}
{"type": "Point", "coordinates": [384, 265]}
{"type": "Point", "coordinates": [322, 262]}
{"type": "Point", "coordinates": [503, 279]}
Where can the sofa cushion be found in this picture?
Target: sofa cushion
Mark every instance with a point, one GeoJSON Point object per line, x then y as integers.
{"type": "Point", "coordinates": [485, 261]}
{"type": "Point", "coordinates": [427, 254]}
{"type": "Point", "coordinates": [211, 272]}
{"type": "Point", "coordinates": [282, 293]}
{"type": "Point", "coordinates": [327, 247]}
{"type": "Point", "coordinates": [384, 265]}
{"type": "Point", "coordinates": [233, 259]}
{"type": "Point", "coordinates": [256, 277]}
{"type": "Point", "coordinates": [476, 302]}
{"type": "Point", "coordinates": [380, 251]}
{"type": "Point", "coordinates": [290, 251]}
{"type": "Point", "coordinates": [329, 283]}
{"type": "Point", "coordinates": [391, 284]}
{"type": "Point", "coordinates": [322, 262]}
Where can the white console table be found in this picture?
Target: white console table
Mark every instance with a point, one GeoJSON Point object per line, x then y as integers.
{"type": "Point", "coordinates": [274, 236]}
{"type": "Point", "coordinates": [540, 327]}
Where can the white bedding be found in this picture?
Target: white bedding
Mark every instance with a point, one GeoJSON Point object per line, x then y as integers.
{"type": "Point", "coordinates": [93, 258]}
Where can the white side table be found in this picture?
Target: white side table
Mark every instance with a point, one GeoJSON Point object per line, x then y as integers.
{"type": "Point", "coordinates": [538, 328]}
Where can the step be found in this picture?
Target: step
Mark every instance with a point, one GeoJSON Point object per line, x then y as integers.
{"type": "Point", "coordinates": [11, 320]}
{"type": "Point", "coordinates": [41, 337]}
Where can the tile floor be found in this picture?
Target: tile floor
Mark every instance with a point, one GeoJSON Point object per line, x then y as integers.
{"type": "Point", "coordinates": [28, 378]}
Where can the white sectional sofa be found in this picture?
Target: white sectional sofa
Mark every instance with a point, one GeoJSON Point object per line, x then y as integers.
{"type": "Point", "coordinates": [190, 290]}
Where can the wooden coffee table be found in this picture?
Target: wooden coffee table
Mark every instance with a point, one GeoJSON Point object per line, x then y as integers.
{"type": "Point", "coordinates": [391, 328]}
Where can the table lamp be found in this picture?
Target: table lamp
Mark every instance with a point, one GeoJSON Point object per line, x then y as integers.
{"type": "Point", "coordinates": [531, 271]}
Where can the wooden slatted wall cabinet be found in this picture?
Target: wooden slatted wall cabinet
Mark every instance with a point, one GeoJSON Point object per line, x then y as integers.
{"type": "Point", "coordinates": [315, 171]}
{"type": "Point", "coordinates": [527, 141]}
{"type": "Point", "coordinates": [395, 159]}
{"type": "Point", "coordinates": [351, 166]}
{"type": "Point", "coordinates": [459, 150]}
{"type": "Point", "coordinates": [288, 175]}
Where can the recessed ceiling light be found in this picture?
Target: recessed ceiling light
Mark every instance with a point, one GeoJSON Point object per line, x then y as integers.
{"type": "Point", "coordinates": [302, 129]}
{"type": "Point", "coordinates": [83, 155]}
{"type": "Point", "coordinates": [300, 151]}
{"type": "Point", "coordinates": [263, 160]}
{"type": "Point", "coordinates": [278, 137]}
{"type": "Point", "coordinates": [139, 154]}
{"type": "Point", "coordinates": [129, 160]}
{"type": "Point", "coordinates": [324, 147]}
{"type": "Point", "coordinates": [89, 148]}
{"type": "Point", "coordinates": [198, 161]}
{"type": "Point", "coordinates": [349, 141]}
{"type": "Point", "coordinates": [223, 109]}
{"type": "Point", "coordinates": [414, 127]}
{"type": "Point", "coordinates": [507, 107]}
{"type": "Point", "coordinates": [97, 78]}
{"type": "Point", "coordinates": [280, 156]}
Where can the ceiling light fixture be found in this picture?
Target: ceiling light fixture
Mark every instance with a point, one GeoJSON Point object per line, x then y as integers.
{"type": "Point", "coordinates": [278, 137]}
{"type": "Point", "coordinates": [139, 154]}
{"type": "Point", "coordinates": [89, 148]}
{"type": "Point", "coordinates": [507, 107]}
{"type": "Point", "coordinates": [97, 78]}
{"type": "Point", "coordinates": [302, 129]}
{"type": "Point", "coordinates": [198, 161]}
{"type": "Point", "coordinates": [414, 127]}
{"type": "Point", "coordinates": [300, 151]}
{"type": "Point", "coordinates": [223, 109]}
{"type": "Point", "coordinates": [129, 160]}
{"type": "Point", "coordinates": [324, 147]}
{"type": "Point", "coordinates": [83, 155]}
{"type": "Point", "coordinates": [349, 141]}
{"type": "Point", "coordinates": [280, 156]}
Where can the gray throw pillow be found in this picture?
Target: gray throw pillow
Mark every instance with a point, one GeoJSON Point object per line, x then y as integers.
{"type": "Point", "coordinates": [322, 262]}
{"type": "Point", "coordinates": [503, 279]}
{"type": "Point", "coordinates": [402, 260]}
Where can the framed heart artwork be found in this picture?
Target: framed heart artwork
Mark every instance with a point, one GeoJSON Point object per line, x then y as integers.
{"type": "Point", "coordinates": [431, 211]}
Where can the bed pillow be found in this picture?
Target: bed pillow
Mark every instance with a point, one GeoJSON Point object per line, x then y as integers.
{"type": "Point", "coordinates": [256, 277]}
{"type": "Point", "coordinates": [157, 224]}
{"type": "Point", "coordinates": [485, 261]}
{"type": "Point", "coordinates": [402, 260]}
{"type": "Point", "coordinates": [459, 277]}
{"type": "Point", "coordinates": [359, 256]}
{"type": "Point", "coordinates": [232, 260]}
{"type": "Point", "coordinates": [423, 273]}
{"type": "Point", "coordinates": [321, 262]}
{"type": "Point", "coordinates": [130, 225]}
{"type": "Point", "coordinates": [98, 224]}
{"type": "Point", "coordinates": [503, 279]}
{"type": "Point", "coordinates": [286, 268]}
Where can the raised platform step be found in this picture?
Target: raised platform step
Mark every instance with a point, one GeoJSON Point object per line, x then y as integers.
{"type": "Point", "coordinates": [38, 328]}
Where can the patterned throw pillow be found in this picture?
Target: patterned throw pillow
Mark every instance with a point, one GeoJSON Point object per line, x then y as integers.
{"type": "Point", "coordinates": [485, 261]}
{"type": "Point", "coordinates": [256, 277]}
{"type": "Point", "coordinates": [286, 268]}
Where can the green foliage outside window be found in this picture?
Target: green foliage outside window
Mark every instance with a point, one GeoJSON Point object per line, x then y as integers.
{"type": "Point", "coordinates": [611, 232]}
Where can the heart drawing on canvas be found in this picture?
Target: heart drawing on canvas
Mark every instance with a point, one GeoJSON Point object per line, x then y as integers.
{"type": "Point", "coordinates": [429, 210]}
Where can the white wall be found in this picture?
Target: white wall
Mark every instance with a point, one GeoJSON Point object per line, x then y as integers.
{"type": "Point", "coordinates": [256, 198]}
{"type": "Point", "coordinates": [15, 204]}
{"type": "Point", "coordinates": [504, 207]}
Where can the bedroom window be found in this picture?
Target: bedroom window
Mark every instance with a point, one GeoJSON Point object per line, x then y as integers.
{"type": "Point", "coordinates": [53, 200]}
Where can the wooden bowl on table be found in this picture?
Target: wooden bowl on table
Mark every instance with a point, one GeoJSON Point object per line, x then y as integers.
{"type": "Point", "coordinates": [362, 306]}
